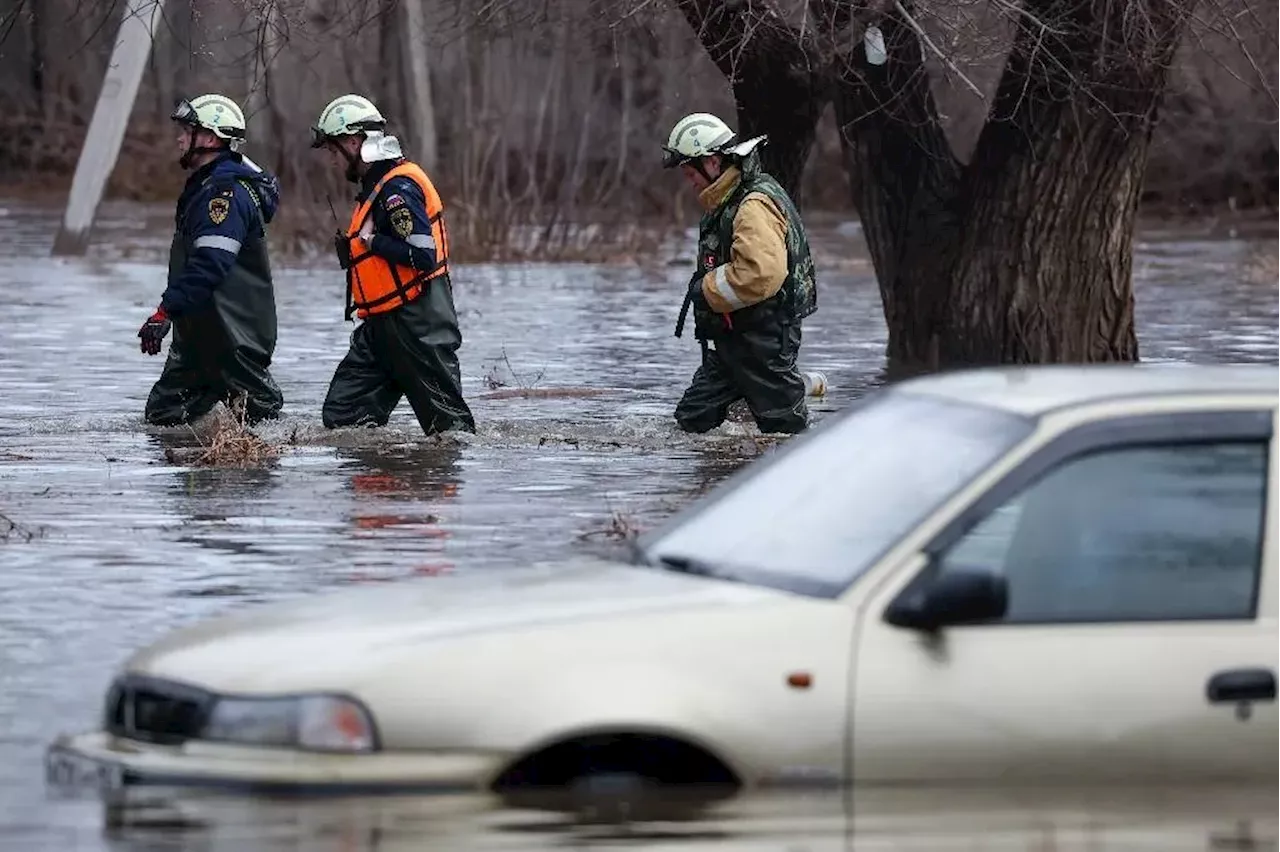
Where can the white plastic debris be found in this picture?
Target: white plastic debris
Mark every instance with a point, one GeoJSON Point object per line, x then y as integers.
{"type": "Point", "coordinates": [815, 384]}
{"type": "Point", "coordinates": [873, 44]}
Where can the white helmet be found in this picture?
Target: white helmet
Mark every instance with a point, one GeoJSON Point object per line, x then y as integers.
{"type": "Point", "coordinates": [216, 113]}
{"type": "Point", "coordinates": [702, 134]}
{"type": "Point", "coordinates": [346, 115]}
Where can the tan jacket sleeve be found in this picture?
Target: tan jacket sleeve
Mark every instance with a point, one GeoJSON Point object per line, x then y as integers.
{"type": "Point", "coordinates": [757, 260]}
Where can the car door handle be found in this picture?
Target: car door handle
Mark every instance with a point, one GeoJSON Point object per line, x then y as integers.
{"type": "Point", "coordinates": [1242, 685]}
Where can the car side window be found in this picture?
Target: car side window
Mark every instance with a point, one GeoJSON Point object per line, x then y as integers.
{"type": "Point", "coordinates": [1141, 533]}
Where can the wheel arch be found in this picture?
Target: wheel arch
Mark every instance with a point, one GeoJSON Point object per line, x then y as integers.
{"type": "Point", "coordinates": [560, 757]}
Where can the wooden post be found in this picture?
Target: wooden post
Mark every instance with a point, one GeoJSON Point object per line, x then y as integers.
{"type": "Point", "coordinates": [418, 79]}
{"type": "Point", "coordinates": [111, 114]}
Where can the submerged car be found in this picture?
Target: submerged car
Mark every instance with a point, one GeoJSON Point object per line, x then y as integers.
{"type": "Point", "coordinates": [1000, 577]}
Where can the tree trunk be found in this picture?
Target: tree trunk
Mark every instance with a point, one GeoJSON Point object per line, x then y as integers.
{"type": "Point", "coordinates": [778, 89]}
{"type": "Point", "coordinates": [416, 74]}
{"type": "Point", "coordinates": [36, 66]}
{"type": "Point", "coordinates": [1044, 272]}
{"type": "Point", "coordinates": [260, 111]}
{"type": "Point", "coordinates": [905, 182]}
{"type": "Point", "coordinates": [1023, 256]}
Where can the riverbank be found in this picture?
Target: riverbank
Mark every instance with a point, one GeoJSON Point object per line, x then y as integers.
{"type": "Point", "coordinates": [300, 236]}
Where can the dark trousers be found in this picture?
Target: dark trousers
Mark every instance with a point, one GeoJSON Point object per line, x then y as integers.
{"type": "Point", "coordinates": [207, 365]}
{"type": "Point", "coordinates": [408, 352]}
{"type": "Point", "coordinates": [759, 366]}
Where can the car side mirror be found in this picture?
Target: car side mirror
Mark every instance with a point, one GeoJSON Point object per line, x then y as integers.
{"type": "Point", "coordinates": [951, 597]}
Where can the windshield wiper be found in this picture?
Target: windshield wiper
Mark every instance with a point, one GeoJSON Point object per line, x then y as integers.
{"type": "Point", "coordinates": [689, 565]}
{"type": "Point", "coordinates": [679, 564]}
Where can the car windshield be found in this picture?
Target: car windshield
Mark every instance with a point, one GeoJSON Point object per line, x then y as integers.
{"type": "Point", "coordinates": [821, 512]}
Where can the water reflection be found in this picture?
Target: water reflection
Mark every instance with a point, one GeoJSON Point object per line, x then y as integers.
{"type": "Point", "coordinates": [406, 493]}
{"type": "Point", "coordinates": [973, 820]}
{"type": "Point", "coordinates": [407, 472]}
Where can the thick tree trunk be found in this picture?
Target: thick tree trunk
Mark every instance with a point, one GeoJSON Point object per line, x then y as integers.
{"type": "Point", "coordinates": [1044, 272]}
{"type": "Point", "coordinates": [1024, 255]}
{"type": "Point", "coordinates": [904, 180]}
{"type": "Point", "coordinates": [778, 88]}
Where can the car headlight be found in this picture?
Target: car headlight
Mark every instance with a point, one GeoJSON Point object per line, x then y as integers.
{"type": "Point", "coordinates": [318, 722]}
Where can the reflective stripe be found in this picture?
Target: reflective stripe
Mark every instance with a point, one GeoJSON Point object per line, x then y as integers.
{"type": "Point", "coordinates": [221, 243]}
{"type": "Point", "coordinates": [720, 281]}
{"type": "Point", "coordinates": [422, 241]}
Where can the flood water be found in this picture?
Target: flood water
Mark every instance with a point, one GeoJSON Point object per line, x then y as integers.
{"type": "Point", "coordinates": [118, 538]}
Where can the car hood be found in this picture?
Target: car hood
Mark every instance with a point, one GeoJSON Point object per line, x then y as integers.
{"type": "Point", "coordinates": [310, 641]}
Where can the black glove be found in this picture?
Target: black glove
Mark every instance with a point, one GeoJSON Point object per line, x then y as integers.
{"type": "Point", "coordinates": [342, 247]}
{"type": "Point", "coordinates": [153, 331]}
{"type": "Point", "coordinates": [692, 296]}
{"type": "Point", "coordinates": [696, 296]}
{"type": "Point", "coordinates": [706, 323]}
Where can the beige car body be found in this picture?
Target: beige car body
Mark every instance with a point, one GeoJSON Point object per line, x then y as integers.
{"type": "Point", "coordinates": [465, 675]}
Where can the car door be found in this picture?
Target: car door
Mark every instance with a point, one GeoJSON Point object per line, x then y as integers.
{"type": "Point", "coordinates": [1139, 640]}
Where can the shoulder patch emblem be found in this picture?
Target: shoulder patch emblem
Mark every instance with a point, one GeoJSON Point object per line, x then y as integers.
{"type": "Point", "coordinates": [393, 201]}
{"type": "Point", "coordinates": [402, 221]}
{"type": "Point", "coordinates": [218, 209]}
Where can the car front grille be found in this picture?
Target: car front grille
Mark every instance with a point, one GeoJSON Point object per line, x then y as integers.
{"type": "Point", "coordinates": [154, 710]}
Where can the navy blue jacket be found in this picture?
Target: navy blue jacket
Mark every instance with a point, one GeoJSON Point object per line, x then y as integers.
{"type": "Point", "coordinates": [416, 248]}
{"type": "Point", "coordinates": [217, 217]}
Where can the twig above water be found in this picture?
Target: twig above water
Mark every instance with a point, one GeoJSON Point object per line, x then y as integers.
{"type": "Point", "coordinates": [11, 529]}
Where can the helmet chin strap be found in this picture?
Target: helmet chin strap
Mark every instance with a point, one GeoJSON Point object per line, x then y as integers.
{"type": "Point", "coordinates": [352, 173]}
{"type": "Point", "coordinates": [189, 155]}
{"type": "Point", "coordinates": [700, 165]}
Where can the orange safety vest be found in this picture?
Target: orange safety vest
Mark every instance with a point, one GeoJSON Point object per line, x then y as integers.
{"type": "Point", "coordinates": [375, 285]}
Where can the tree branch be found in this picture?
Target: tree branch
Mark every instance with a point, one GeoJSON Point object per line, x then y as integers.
{"type": "Point", "coordinates": [722, 28]}
{"type": "Point", "coordinates": [778, 76]}
{"type": "Point", "coordinates": [924, 37]}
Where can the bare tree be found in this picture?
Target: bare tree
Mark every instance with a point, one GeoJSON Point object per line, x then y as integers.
{"type": "Point", "coordinates": [549, 114]}
{"type": "Point", "coordinates": [1024, 252]}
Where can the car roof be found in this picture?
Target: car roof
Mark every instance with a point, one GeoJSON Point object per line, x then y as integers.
{"type": "Point", "coordinates": [1037, 389]}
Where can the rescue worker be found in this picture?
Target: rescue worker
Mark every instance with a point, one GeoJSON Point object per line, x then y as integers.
{"type": "Point", "coordinates": [395, 252]}
{"type": "Point", "coordinates": [219, 299]}
{"type": "Point", "coordinates": [753, 283]}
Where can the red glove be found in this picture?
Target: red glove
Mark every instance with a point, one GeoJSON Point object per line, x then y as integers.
{"type": "Point", "coordinates": [153, 331]}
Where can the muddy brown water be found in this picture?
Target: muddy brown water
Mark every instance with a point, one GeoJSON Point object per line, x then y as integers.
{"type": "Point", "coordinates": [572, 371]}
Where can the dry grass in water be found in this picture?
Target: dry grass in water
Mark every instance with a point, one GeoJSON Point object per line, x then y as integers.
{"type": "Point", "coordinates": [1264, 266]}
{"type": "Point", "coordinates": [231, 444]}
{"type": "Point", "coordinates": [11, 530]}
{"type": "Point", "coordinates": [494, 381]}
{"type": "Point", "coordinates": [619, 528]}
